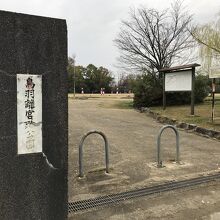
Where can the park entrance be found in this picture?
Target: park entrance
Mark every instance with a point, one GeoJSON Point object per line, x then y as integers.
{"type": "Point", "coordinates": [133, 159]}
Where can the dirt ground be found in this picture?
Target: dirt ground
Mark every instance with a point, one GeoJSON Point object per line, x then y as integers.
{"type": "Point", "coordinates": [132, 144]}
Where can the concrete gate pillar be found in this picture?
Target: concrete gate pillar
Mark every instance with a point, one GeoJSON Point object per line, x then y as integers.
{"type": "Point", "coordinates": [33, 185]}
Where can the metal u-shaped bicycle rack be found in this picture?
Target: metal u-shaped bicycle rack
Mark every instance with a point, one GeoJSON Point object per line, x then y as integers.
{"type": "Point", "coordinates": [159, 160]}
{"type": "Point", "coordinates": [81, 151]}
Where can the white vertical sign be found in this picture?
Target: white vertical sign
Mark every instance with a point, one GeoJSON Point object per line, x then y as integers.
{"type": "Point", "coordinates": [29, 113]}
{"type": "Point", "coordinates": [214, 72]}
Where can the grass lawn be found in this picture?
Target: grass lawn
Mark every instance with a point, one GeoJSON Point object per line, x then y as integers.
{"type": "Point", "coordinates": [106, 96]}
{"type": "Point", "coordinates": [202, 113]}
{"type": "Point", "coordinates": [117, 101]}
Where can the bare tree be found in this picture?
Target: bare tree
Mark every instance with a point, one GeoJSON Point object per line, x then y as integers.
{"type": "Point", "coordinates": [151, 40]}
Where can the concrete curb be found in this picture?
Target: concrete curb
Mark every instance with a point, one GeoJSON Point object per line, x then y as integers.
{"type": "Point", "coordinates": [182, 125]}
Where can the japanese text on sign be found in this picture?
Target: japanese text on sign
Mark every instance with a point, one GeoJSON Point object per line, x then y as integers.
{"type": "Point", "coordinates": [29, 112]}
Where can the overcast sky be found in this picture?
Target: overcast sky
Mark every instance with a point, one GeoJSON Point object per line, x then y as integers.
{"type": "Point", "coordinates": [93, 24]}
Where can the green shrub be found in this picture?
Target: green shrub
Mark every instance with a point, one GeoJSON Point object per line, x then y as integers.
{"type": "Point", "coordinates": [202, 88]}
{"type": "Point", "coordinates": [148, 92]}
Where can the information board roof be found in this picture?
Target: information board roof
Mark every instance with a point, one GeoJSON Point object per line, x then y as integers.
{"type": "Point", "coordinates": [183, 67]}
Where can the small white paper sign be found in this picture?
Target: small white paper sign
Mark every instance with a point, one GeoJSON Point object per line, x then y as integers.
{"type": "Point", "coordinates": [214, 72]}
{"type": "Point", "coordinates": [29, 113]}
{"type": "Point", "coordinates": [178, 81]}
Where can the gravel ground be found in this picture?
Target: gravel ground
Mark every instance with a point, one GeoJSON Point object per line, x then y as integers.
{"type": "Point", "coordinates": [132, 142]}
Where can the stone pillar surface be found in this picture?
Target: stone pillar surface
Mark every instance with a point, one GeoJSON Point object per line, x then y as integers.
{"type": "Point", "coordinates": [34, 186]}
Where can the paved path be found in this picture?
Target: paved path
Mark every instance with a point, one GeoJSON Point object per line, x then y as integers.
{"type": "Point", "coordinates": [132, 138]}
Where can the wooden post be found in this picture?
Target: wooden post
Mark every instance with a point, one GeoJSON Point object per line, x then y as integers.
{"type": "Point", "coordinates": [213, 99]}
{"type": "Point", "coordinates": [164, 93]}
{"type": "Point", "coordinates": [193, 92]}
